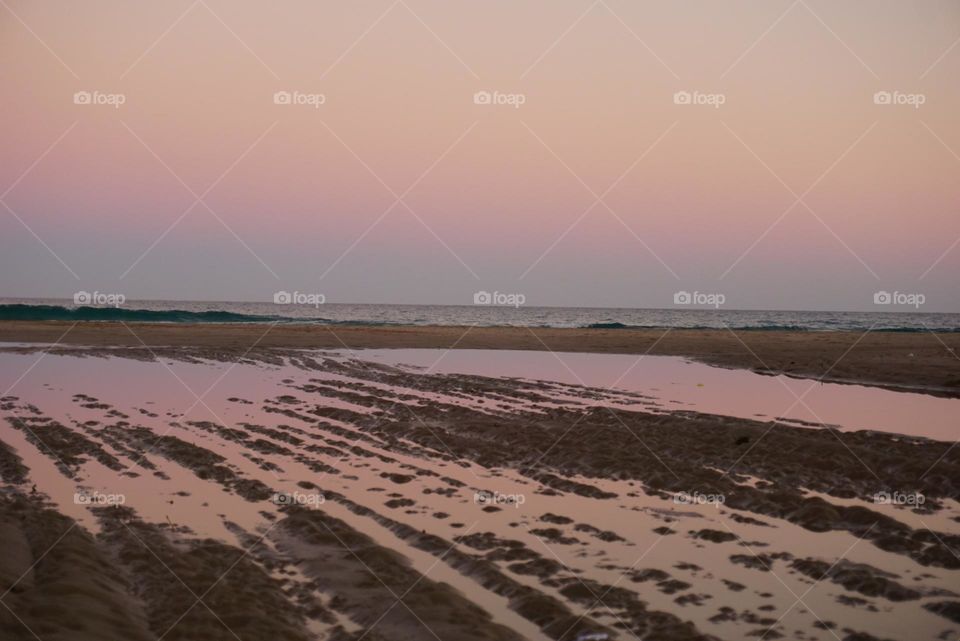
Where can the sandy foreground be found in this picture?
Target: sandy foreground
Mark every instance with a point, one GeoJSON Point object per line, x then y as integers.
{"type": "Point", "coordinates": [315, 495]}
{"type": "Point", "coordinates": [922, 360]}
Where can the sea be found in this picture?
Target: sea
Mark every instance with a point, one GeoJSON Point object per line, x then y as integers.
{"type": "Point", "coordinates": [166, 311]}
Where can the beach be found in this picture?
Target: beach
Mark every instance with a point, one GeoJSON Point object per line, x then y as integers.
{"type": "Point", "coordinates": [217, 486]}
{"type": "Point", "coordinates": [397, 321]}
{"type": "Point", "coordinates": [919, 360]}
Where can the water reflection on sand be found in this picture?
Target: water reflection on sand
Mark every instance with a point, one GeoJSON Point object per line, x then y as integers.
{"type": "Point", "coordinates": [676, 558]}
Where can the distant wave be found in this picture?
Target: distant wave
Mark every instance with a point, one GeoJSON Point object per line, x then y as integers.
{"type": "Point", "coordinates": [767, 327]}
{"type": "Point", "coordinates": [82, 313]}
{"type": "Point", "coordinates": [263, 313]}
{"type": "Point", "coordinates": [614, 325]}
{"type": "Point", "coordinates": [611, 326]}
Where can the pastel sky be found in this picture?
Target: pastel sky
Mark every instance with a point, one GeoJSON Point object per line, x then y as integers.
{"type": "Point", "coordinates": [799, 191]}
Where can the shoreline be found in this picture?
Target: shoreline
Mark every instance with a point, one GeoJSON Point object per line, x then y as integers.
{"type": "Point", "coordinates": [919, 362]}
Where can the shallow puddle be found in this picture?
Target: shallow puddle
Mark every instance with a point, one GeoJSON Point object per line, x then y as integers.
{"type": "Point", "coordinates": [676, 383]}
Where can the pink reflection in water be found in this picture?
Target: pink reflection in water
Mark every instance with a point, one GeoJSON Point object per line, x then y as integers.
{"type": "Point", "coordinates": [679, 384]}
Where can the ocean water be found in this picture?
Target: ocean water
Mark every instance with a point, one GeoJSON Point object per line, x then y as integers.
{"type": "Point", "coordinates": [481, 315]}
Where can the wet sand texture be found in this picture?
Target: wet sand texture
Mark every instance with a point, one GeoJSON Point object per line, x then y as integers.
{"type": "Point", "coordinates": [402, 547]}
{"type": "Point", "coordinates": [894, 359]}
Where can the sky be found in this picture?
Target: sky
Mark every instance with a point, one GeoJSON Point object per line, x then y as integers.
{"type": "Point", "coordinates": [581, 153]}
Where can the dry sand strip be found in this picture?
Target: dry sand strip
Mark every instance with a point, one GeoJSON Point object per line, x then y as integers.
{"type": "Point", "coordinates": [920, 361]}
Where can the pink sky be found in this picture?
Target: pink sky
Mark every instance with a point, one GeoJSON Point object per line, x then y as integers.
{"type": "Point", "coordinates": [502, 204]}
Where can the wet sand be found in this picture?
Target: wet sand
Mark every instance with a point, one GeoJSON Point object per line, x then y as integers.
{"type": "Point", "coordinates": [923, 360]}
{"type": "Point", "coordinates": [314, 495]}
